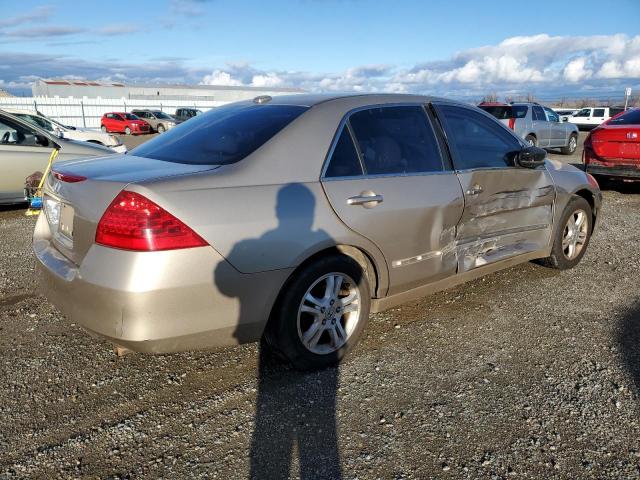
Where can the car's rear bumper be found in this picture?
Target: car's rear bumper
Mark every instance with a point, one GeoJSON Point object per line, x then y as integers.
{"type": "Point", "coordinates": [157, 302]}
{"type": "Point", "coordinates": [618, 171]}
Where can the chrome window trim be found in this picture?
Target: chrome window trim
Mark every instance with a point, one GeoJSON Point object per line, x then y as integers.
{"type": "Point", "coordinates": [345, 121]}
{"type": "Point", "coordinates": [389, 175]}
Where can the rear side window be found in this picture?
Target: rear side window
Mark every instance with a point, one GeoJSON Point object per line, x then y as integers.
{"type": "Point", "coordinates": [221, 136]}
{"type": "Point", "coordinates": [477, 141]}
{"type": "Point", "coordinates": [598, 112]}
{"type": "Point", "coordinates": [396, 140]}
{"type": "Point", "coordinates": [506, 112]}
{"type": "Point", "coordinates": [344, 160]}
{"type": "Point", "coordinates": [538, 113]}
{"type": "Point", "coordinates": [631, 117]}
{"type": "Point", "coordinates": [615, 111]}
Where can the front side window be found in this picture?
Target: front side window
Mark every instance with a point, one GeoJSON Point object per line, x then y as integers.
{"type": "Point", "coordinates": [222, 136]}
{"type": "Point", "coordinates": [37, 121]}
{"type": "Point", "coordinates": [477, 141]}
{"type": "Point", "coordinates": [396, 140]}
{"type": "Point", "coordinates": [538, 113]}
{"type": "Point", "coordinates": [131, 116]}
{"type": "Point", "coordinates": [598, 112]}
{"type": "Point", "coordinates": [585, 112]}
{"type": "Point", "coordinates": [162, 116]}
{"type": "Point", "coordinates": [344, 160]}
{"type": "Point", "coordinates": [12, 133]}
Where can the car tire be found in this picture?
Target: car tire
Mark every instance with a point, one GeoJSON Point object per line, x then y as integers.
{"type": "Point", "coordinates": [531, 140]}
{"type": "Point", "coordinates": [161, 128]}
{"type": "Point", "coordinates": [103, 128]}
{"type": "Point", "coordinates": [572, 145]}
{"type": "Point", "coordinates": [127, 131]}
{"type": "Point", "coordinates": [314, 334]}
{"type": "Point", "coordinates": [562, 256]}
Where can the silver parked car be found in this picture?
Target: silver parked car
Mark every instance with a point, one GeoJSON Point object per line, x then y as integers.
{"type": "Point", "coordinates": [536, 124]}
{"type": "Point", "coordinates": [157, 119]}
{"type": "Point", "coordinates": [297, 216]}
{"type": "Point", "coordinates": [25, 149]}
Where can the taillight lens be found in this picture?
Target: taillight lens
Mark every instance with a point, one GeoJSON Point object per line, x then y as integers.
{"type": "Point", "coordinates": [68, 177]}
{"type": "Point", "coordinates": [512, 123]}
{"type": "Point", "coordinates": [133, 222]}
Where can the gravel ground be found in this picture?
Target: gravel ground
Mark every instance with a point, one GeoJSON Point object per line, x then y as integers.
{"type": "Point", "coordinates": [527, 373]}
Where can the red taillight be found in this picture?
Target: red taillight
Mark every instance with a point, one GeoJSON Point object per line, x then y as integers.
{"type": "Point", "coordinates": [133, 222]}
{"type": "Point", "coordinates": [512, 123]}
{"type": "Point", "coordinates": [68, 177]}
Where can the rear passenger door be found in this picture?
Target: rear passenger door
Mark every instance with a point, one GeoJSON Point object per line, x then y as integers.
{"type": "Point", "coordinates": [387, 178]}
{"type": "Point", "coordinates": [558, 131]}
{"type": "Point", "coordinates": [508, 209]}
{"type": "Point", "coordinates": [540, 126]}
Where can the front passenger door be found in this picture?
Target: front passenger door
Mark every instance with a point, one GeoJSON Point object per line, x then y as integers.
{"type": "Point", "coordinates": [508, 209]}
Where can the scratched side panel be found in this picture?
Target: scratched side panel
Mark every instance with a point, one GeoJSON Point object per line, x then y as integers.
{"type": "Point", "coordinates": [512, 215]}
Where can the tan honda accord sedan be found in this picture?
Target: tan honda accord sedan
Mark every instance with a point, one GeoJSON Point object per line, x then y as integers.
{"type": "Point", "coordinates": [295, 217]}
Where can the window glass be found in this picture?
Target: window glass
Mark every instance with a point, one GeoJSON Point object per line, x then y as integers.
{"type": "Point", "coordinates": [162, 115]}
{"type": "Point", "coordinates": [223, 135]}
{"type": "Point", "coordinates": [131, 116]}
{"type": "Point", "coordinates": [396, 140]}
{"type": "Point", "coordinates": [344, 161]}
{"type": "Point", "coordinates": [37, 121]}
{"type": "Point", "coordinates": [551, 115]}
{"type": "Point", "coordinates": [504, 112]}
{"type": "Point", "coordinates": [615, 111]}
{"type": "Point", "coordinates": [598, 112]}
{"type": "Point", "coordinates": [630, 117]}
{"type": "Point", "coordinates": [585, 112]}
{"type": "Point", "coordinates": [477, 141]}
{"type": "Point", "coordinates": [12, 133]}
{"type": "Point", "coordinates": [538, 113]}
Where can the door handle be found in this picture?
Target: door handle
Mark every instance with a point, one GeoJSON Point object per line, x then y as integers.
{"type": "Point", "coordinates": [475, 190]}
{"type": "Point", "coordinates": [366, 199]}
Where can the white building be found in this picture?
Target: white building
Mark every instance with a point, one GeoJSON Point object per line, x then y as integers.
{"type": "Point", "coordinates": [90, 89]}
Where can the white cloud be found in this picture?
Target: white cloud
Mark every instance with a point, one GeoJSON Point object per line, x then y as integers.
{"type": "Point", "coordinates": [576, 70]}
{"type": "Point", "coordinates": [219, 77]}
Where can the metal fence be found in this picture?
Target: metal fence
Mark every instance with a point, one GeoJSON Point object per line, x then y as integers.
{"type": "Point", "coordinates": [86, 112]}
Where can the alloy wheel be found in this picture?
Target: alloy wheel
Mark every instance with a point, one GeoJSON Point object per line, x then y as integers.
{"type": "Point", "coordinates": [575, 234]}
{"type": "Point", "coordinates": [328, 313]}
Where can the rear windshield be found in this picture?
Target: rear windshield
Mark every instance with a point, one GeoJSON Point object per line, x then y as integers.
{"type": "Point", "coordinates": [631, 117]}
{"type": "Point", "coordinates": [221, 136]}
{"type": "Point", "coordinates": [503, 112]}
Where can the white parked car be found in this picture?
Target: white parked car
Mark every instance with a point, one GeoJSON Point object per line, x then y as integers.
{"type": "Point", "coordinates": [72, 133]}
{"type": "Point", "coordinates": [590, 117]}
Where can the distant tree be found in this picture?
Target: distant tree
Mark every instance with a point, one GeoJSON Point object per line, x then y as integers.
{"type": "Point", "coordinates": [490, 98]}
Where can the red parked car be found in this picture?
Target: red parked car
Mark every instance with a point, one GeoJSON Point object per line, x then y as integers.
{"type": "Point", "coordinates": [122, 122]}
{"type": "Point", "coordinates": [613, 148]}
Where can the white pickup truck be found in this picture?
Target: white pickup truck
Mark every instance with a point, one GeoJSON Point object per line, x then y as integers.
{"type": "Point", "coordinates": [590, 117]}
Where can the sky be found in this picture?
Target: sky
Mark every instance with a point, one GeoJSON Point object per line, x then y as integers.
{"type": "Point", "coordinates": [462, 48]}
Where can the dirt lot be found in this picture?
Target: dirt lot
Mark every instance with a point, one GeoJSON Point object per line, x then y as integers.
{"type": "Point", "coordinates": [527, 373]}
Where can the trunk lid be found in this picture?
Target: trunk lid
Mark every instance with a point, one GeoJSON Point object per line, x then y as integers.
{"type": "Point", "coordinates": [617, 142]}
{"type": "Point", "coordinates": [73, 209]}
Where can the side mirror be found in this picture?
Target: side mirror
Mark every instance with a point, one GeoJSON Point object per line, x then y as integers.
{"type": "Point", "coordinates": [59, 133]}
{"type": "Point", "coordinates": [42, 140]}
{"type": "Point", "coordinates": [531, 157]}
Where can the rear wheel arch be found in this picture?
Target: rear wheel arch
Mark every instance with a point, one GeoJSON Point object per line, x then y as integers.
{"type": "Point", "coordinates": [365, 261]}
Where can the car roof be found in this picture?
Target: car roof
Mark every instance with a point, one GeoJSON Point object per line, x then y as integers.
{"type": "Point", "coordinates": [311, 99]}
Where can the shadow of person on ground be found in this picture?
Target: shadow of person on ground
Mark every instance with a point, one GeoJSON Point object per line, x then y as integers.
{"type": "Point", "coordinates": [629, 340]}
{"type": "Point", "coordinates": [294, 410]}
